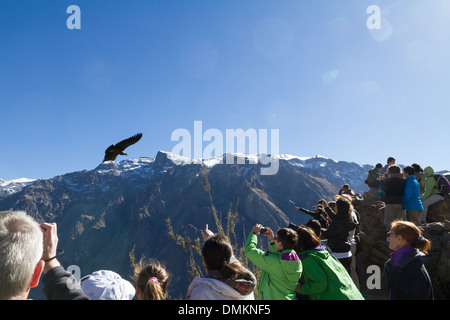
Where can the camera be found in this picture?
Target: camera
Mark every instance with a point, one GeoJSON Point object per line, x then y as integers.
{"type": "Point", "coordinates": [263, 230]}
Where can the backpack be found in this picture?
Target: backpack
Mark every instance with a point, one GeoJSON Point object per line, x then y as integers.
{"type": "Point", "coordinates": [443, 184]}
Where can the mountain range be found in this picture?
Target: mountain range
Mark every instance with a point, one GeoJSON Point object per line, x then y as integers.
{"type": "Point", "coordinates": [8, 187]}
{"type": "Point", "coordinates": [104, 213]}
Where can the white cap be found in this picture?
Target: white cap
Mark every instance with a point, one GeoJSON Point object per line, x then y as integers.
{"type": "Point", "coordinates": [107, 285]}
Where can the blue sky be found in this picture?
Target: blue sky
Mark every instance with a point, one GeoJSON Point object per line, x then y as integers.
{"type": "Point", "coordinates": [310, 68]}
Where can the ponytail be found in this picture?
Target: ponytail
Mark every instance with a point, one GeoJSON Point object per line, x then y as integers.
{"type": "Point", "coordinates": [412, 234]}
{"type": "Point", "coordinates": [152, 280]}
{"type": "Point", "coordinates": [231, 271]}
{"type": "Point", "coordinates": [153, 290]}
{"type": "Point", "coordinates": [423, 244]}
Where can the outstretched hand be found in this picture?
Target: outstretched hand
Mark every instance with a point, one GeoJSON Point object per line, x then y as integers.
{"type": "Point", "coordinates": [207, 233]}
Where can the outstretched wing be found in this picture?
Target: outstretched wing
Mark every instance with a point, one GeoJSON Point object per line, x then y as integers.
{"type": "Point", "coordinates": [122, 145]}
{"type": "Point", "coordinates": [114, 150]}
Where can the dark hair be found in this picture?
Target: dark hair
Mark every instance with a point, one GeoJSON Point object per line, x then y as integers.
{"type": "Point", "coordinates": [315, 226]}
{"type": "Point", "coordinates": [379, 165]}
{"type": "Point", "coordinates": [390, 159]}
{"type": "Point", "coordinates": [412, 234]}
{"type": "Point", "coordinates": [417, 167]}
{"type": "Point", "coordinates": [409, 170]}
{"type": "Point", "coordinates": [287, 237]}
{"type": "Point", "coordinates": [217, 252]}
{"type": "Point", "coordinates": [394, 169]}
{"type": "Point", "coordinates": [307, 239]}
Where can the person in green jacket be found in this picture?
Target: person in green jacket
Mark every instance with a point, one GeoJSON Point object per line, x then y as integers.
{"type": "Point", "coordinates": [281, 267]}
{"type": "Point", "coordinates": [324, 277]}
{"type": "Point", "coordinates": [431, 194]}
{"type": "Point", "coordinates": [372, 177]}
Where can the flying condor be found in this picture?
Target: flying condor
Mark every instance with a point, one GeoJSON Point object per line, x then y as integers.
{"type": "Point", "coordinates": [114, 150]}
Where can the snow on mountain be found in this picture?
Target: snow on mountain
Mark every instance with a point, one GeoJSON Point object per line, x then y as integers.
{"type": "Point", "coordinates": [141, 169]}
{"type": "Point", "coordinates": [127, 167]}
{"type": "Point", "coordinates": [8, 187]}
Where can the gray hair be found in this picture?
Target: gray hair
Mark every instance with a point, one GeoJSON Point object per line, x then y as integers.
{"type": "Point", "coordinates": [20, 251]}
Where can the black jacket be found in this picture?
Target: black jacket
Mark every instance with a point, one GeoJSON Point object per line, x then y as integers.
{"type": "Point", "coordinates": [56, 287]}
{"type": "Point", "coordinates": [338, 231]}
{"type": "Point", "coordinates": [392, 188]}
{"type": "Point", "coordinates": [317, 216]}
{"type": "Point", "coordinates": [409, 279]}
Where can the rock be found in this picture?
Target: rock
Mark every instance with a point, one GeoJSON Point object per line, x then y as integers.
{"type": "Point", "coordinates": [440, 211]}
{"type": "Point", "coordinates": [435, 227]}
{"type": "Point", "coordinates": [446, 225]}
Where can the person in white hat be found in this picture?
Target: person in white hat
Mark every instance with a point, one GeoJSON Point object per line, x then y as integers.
{"type": "Point", "coordinates": [107, 285]}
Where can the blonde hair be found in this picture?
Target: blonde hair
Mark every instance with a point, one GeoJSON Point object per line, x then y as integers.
{"type": "Point", "coordinates": [152, 280]}
{"type": "Point", "coordinates": [412, 234]}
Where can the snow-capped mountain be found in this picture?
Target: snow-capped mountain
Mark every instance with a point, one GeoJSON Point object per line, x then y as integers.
{"type": "Point", "coordinates": [137, 171]}
{"type": "Point", "coordinates": [336, 172]}
{"type": "Point", "coordinates": [8, 187]}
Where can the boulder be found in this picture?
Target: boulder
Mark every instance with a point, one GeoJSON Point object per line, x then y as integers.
{"type": "Point", "coordinates": [440, 211]}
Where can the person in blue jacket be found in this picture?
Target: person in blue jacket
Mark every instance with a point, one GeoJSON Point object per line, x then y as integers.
{"type": "Point", "coordinates": [411, 201]}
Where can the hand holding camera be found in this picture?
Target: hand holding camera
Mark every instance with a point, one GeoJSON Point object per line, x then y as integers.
{"type": "Point", "coordinates": [265, 231]}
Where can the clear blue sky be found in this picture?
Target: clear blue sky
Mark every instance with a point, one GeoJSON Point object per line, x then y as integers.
{"type": "Point", "coordinates": [310, 68]}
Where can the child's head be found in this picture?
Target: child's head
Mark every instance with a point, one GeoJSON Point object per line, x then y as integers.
{"type": "Point", "coordinates": [151, 280]}
{"type": "Point", "coordinates": [287, 237]}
